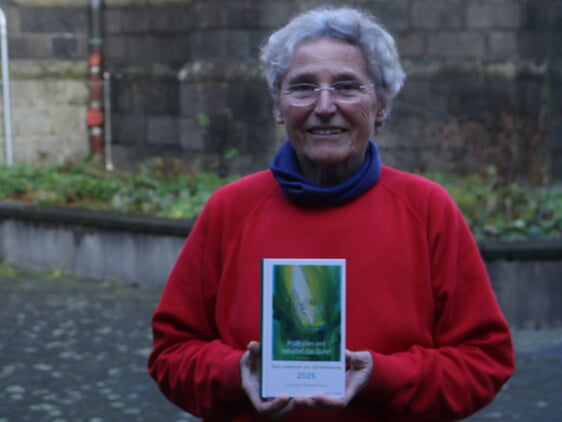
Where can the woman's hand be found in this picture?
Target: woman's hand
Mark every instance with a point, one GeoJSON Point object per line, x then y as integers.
{"type": "Point", "coordinates": [249, 370]}
{"type": "Point", "coordinates": [356, 379]}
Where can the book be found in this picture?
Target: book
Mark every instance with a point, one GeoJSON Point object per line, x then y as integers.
{"type": "Point", "coordinates": [302, 327]}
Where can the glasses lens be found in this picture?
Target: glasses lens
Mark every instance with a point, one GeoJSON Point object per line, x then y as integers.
{"type": "Point", "coordinates": [347, 91]}
{"type": "Point", "coordinates": [302, 95]}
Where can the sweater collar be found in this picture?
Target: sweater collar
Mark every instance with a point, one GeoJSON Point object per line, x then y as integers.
{"type": "Point", "coordinates": [302, 191]}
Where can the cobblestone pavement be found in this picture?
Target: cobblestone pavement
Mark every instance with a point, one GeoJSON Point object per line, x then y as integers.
{"type": "Point", "coordinates": [75, 350]}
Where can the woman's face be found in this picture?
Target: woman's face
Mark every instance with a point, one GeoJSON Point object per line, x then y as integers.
{"type": "Point", "coordinates": [328, 135]}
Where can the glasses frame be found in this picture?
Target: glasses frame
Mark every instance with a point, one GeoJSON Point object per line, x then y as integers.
{"type": "Point", "coordinates": [331, 89]}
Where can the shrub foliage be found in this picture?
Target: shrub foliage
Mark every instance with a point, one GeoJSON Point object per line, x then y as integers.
{"type": "Point", "coordinates": [494, 210]}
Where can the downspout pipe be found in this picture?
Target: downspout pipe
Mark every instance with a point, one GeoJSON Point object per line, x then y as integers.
{"type": "Point", "coordinates": [95, 116]}
{"type": "Point", "coordinates": [6, 88]}
{"type": "Point", "coordinates": [107, 121]}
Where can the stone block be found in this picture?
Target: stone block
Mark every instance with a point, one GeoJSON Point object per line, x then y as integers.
{"type": "Point", "coordinates": [469, 96]}
{"type": "Point", "coordinates": [502, 45]}
{"type": "Point", "coordinates": [249, 101]}
{"type": "Point", "coordinates": [115, 48]}
{"type": "Point", "coordinates": [134, 20]}
{"type": "Point", "coordinates": [31, 121]}
{"type": "Point", "coordinates": [394, 15]}
{"type": "Point", "coordinates": [432, 14]}
{"type": "Point", "coordinates": [231, 44]}
{"type": "Point", "coordinates": [556, 51]}
{"type": "Point", "coordinates": [244, 14]}
{"type": "Point", "coordinates": [542, 14]}
{"type": "Point", "coordinates": [401, 131]}
{"type": "Point", "coordinates": [258, 138]}
{"type": "Point", "coordinates": [112, 21]}
{"type": "Point", "coordinates": [51, 20]}
{"type": "Point", "coordinates": [26, 93]}
{"type": "Point", "coordinates": [495, 14]}
{"type": "Point", "coordinates": [277, 13]}
{"type": "Point", "coordinates": [210, 14]}
{"type": "Point", "coordinates": [191, 134]}
{"type": "Point", "coordinates": [174, 49]}
{"type": "Point", "coordinates": [173, 19]}
{"type": "Point", "coordinates": [529, 95]}
{"type": "Point", "coordinates": [411, 44]}
{"type": "Point", "coordinates": [462, 44]}
{"type": "Point", "coordinates": [203, 99]}
{"type": "Point", "coordinates": [556, 136]}
{"type": "Point", "coordinates": [555, 87]}
{"type": "Point", "coordinates": [162, 96]}
{"type": "Point", "coordinates": [501, 94]}
{"type": "Point", "coordinates": [217, 134]}
{"type": "Point", "coordinates": [128, 128]}
{"type": "Point", "coordinates": [422, 97]}
{"type": "Point", "coordinates": [26, 152]}
{"type": "Point", "coordinates": [127, 95]}
{"type": "Point", "coordinates": [534, 45]}
{"type": "Point", "coordinates": [69, 47]}
{"type": "Point", "coordinates": [30, 46]}
{"type": "Point", "coordinates": [163, 130]}
{"type": "Point", "coordinates": [137, 47]}
{"type": "Point", "coordinates": [245, 44]}
{"type": "Point", "coordinates": [12, 19]}
{"type": "Point", "coordinates": [68, 120]}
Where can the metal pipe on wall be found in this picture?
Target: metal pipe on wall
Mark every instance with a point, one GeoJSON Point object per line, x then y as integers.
{"type": "Point", "coordinates": [6, 88]}
{"type": "Point", "coordinates": [95, 117]}
{"type": "Point", "coordinates": [107, 121]}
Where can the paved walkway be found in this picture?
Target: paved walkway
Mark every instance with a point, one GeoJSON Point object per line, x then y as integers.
{"type": "Point", "coordinates": [75, 350]}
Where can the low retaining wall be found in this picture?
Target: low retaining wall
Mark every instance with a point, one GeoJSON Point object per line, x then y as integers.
{"type": "Point", "coordinates": [527, 276]}
{"type": "Point", "coordinates": [101, 245]}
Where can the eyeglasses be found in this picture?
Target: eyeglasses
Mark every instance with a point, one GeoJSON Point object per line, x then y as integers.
{"type": "Point", "coordinates": [303, 95]}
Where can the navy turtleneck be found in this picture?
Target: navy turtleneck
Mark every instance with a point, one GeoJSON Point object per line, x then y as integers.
{"type": "Point", "coordinates": [302, 191]}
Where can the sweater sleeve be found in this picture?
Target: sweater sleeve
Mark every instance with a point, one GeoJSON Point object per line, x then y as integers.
{"type": "Point", "coordinates": [192, 367]}
{"type": "Point", "coordinates": [472, 355]}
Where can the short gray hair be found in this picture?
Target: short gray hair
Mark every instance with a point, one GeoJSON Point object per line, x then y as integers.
{"type": "Point", "coordinates": [351, 25]}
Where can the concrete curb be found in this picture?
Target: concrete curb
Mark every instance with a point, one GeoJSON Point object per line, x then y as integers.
{"type": "Point", "coordinates": [95, 219]}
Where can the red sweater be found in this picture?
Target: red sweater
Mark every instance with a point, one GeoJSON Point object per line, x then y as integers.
{"type": "Point", "coordinates": [418, 298]}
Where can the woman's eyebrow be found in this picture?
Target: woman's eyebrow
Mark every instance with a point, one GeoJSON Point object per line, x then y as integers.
{"type": "Point", "coordinates": [302, 78]}
{"type": "Point", "coordinates": [312, 79]}
{"type": "Point", "coordinates": [347, 77]}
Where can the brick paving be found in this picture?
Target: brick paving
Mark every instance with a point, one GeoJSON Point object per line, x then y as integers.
{"type": "Point", "coordinates": [74, 350]}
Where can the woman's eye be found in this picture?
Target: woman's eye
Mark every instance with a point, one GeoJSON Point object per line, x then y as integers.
{"type": "Point", "coordinates": [302, 87]}
{"type": "Point", "coordinates": [347, 86]}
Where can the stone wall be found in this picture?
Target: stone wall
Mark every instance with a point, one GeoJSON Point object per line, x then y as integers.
{"type": "Point", "coordinates": [48, 81]}
{"type": "Point", "coordinates": [484, 81]}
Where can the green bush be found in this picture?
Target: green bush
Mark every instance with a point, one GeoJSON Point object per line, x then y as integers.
{"type": "Point", "coordinates": [160, 189]}
{"type": "Point", "coordinates": [494, 210]}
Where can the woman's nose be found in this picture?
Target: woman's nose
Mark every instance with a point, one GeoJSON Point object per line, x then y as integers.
{"type": "Point", "coordinates": [325, 104]}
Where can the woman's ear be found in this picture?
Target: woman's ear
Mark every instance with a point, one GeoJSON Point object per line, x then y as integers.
{"type": "Point", "coordinates": [278, 116]}
{"type": "Point", "coordinates": [380, 117]}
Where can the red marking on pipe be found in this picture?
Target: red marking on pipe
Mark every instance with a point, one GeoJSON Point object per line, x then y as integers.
{"type": "Point", "coordinates": [95, 59]}
{"type": "Point", "coordinates": [94, 117]}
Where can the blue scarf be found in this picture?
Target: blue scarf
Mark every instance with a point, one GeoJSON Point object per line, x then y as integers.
{"type": "Point", "coordinates": [302, 191]}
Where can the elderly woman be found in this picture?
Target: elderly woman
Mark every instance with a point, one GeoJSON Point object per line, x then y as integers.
{"type": "Point", "coordinates": [426, 339]}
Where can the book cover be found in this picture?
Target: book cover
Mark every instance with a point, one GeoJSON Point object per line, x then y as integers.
{"type": "Point", "coordinates": [303, 327]}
